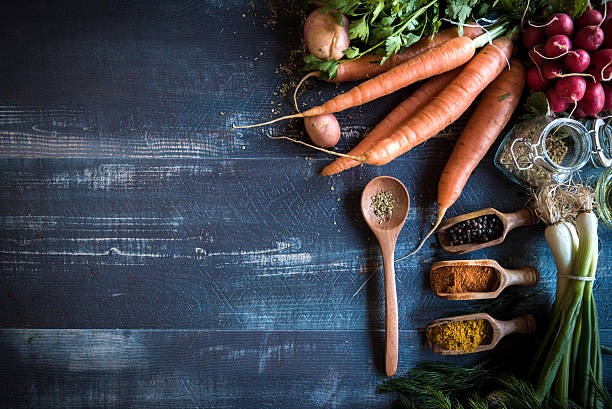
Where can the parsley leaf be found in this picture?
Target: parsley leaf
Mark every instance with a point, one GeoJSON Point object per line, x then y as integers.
{"type": "Point", "coordinates": [359, 29]}
{"type": "Point", "coordinates": [393, 44]}
{"type": "Point", "coordinates": [351, 52]}
{"type": "Point", "coordinates": [536, 105]}
{"type": "Point", "coordinates": [328, 68]}
{"type": "Point", "coordinates": [459, 11]}
{"type": "Point", "coordinates": [574, 8]}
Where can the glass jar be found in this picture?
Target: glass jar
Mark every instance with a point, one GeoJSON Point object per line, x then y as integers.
{"type": "Point", "coordinates": [603, 197]}
{"type": "Point", "coordinates": [544, 150]}
{"type": "Point", "coordinates": [602, 143]}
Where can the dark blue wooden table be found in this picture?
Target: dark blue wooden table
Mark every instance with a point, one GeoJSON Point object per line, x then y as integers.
{"type": "Point", "coordinates": [148, 259]}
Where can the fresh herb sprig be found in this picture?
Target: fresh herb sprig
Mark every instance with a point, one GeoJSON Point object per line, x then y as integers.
{"type": "Point", "coordinates": [437, 385]}
{"type": "Point", "coordinates": [386, 27]}
{"type": "Point", "coordinates": [382, 27]}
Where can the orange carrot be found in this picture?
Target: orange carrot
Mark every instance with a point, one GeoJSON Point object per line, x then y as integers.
{"type": "Point", "coordinates": [369, 66]}
{"type": "Point", "coordinates": [447, 107]}
{"type": "Point", "coordinates": [438, 60]}
{"type": "Point", "coordinates": [396, 117]}
{"type": "Point", "coordinates": [494, 110]}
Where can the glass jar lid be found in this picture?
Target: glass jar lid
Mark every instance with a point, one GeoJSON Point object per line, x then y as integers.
{"type": "Point", "coordinates": [570, 139]}
{"type": "Point", "coordinates": [601, 134]}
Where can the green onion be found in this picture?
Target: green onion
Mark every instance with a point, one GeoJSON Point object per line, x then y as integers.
{"type": "Point", "coordinates": [567, 365]}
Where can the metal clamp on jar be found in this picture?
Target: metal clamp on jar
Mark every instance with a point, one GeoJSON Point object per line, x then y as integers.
{"type": "Point", "coordinates": [602, 143]}
{"type": "Point", "coordinates": [546, 150]}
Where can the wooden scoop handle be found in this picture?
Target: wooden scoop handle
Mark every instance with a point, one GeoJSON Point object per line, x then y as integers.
{"type": "Point", "coordinates": [528, 276]}
{"type": "Point", "coordinates": [525, 324]}
{"type": "Point", "coordinates": [524, 217]}
{"type": "Point", "coordinates": [391, 325]}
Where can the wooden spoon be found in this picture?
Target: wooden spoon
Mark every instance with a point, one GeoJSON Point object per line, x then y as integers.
{"type": "Point", "coordinates": [510, 221]}
{"type": "Point", "coordinates": [386, 232]}
{"type": "Point", "coordinates": [528, 276]}
{"type": "Point", "coordinates": [525, 324]}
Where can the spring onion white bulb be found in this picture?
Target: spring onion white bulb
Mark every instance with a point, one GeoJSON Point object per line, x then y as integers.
{"type": "Point", "coordinates": [561, 242]}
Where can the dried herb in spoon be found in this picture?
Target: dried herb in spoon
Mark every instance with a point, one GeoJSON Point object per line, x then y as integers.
{"type": "Point", "coordinates": [382, 204]}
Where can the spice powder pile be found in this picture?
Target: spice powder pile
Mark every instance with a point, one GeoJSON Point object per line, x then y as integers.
{"type": "Point", "coordinates": [382, 204]}
{"type": "Point", "coordinates": [464, 279]}
{"type": "Point", "coordinates": [461, 335]}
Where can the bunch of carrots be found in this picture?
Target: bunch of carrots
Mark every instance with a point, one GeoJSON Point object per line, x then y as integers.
{"type": "Point", "coordinates": [458, 75]}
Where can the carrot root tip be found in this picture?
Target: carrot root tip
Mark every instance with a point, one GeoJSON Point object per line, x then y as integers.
{"type": "Point", "coordinates": [441, 213]}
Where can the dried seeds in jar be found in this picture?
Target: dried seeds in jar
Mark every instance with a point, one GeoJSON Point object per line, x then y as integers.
{"type": "Point", "coordinates": [543, 150]}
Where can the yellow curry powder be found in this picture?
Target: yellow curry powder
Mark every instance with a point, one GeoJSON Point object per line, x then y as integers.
{"type": "Point", "coordinates": [461, 335]}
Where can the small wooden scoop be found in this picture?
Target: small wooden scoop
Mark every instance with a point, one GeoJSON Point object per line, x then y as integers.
{"type": "Point", "coordinates": [386, 232]}
{"type": "Point", "coordinates": [510, 221]}
{"type": "Point", "coordinates": [528, 276]}
{"type": "Point", "coordinates": [525, 324]}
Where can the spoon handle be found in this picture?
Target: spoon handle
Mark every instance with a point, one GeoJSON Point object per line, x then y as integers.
{"type": "Point", "coordinates": [391, 326]}
{"type": "Point", "coordinates": [528, 276]}
{"type": "Point", "coordinates": [525, 324]}
{"type": "Point", "coordinates": [524, 217]}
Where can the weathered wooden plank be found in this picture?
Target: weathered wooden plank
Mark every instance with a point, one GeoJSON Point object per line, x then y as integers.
{"type": "Point", "coordinates": [222, 369]}
{"type": "Point", "coordinates": [116, 81]}
{"type": "Point", "coordinates": [225, 245]}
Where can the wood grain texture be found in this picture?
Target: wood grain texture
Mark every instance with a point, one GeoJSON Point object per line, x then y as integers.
{"type": "Point", "coordinates": [221, 369]}
{"type": "Point", "coordinates": [224, 245]}
{"type": "Point", "coordinates": [138, 80]}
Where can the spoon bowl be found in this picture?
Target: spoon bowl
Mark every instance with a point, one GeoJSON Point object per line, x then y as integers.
{"type": "Point", "coordinates": [510, 221]}
{"type": "Point", "coordinates": [525, 324]}
{"type": "Point", "coordinates": [528, 276]}
{"type": "Point", "coordinates": [386, 232]}
{"type": "Point", "coordinates": [400, 209]}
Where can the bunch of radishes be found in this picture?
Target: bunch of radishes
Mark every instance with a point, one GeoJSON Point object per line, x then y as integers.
{"type": "Point", "coordinates": [573, 61]}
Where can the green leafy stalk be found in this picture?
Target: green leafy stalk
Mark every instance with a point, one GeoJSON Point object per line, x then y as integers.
{"type": "Point", "coordinates": [560, 387]}
{"type": "Point", "coordinates": [560, 344]}
{"type": "Point", "coordinates": [383, 27]}
{"type": "Point", "coordinates": [583, 364]}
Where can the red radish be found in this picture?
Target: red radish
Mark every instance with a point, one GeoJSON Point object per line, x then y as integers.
{"type": "Point", "coordinates": [326, 39]}
{"type": "Point", "coordinates": [578, 113]}
{"type": "Point", "coordinates": [557, 45]}
{"type": "Point", "coordinates": [559, 24]}
{"type": "Point", "coordinates": [324, 130]}
{"type": "Point", "coordinates": [536, 54]}
{"type": "Point", "coordinates": [571, 89]}
{"type": "Point", "coordinates": [608, 96]}
{"type": "Point", "coordinates": [577, 61]}
{"type": "Point", "coordinates": [555, 102]}
{"type": "Point", "coordinates": [535, 81]}
{"type": "Point", "coordinates": [593, 100]}
{"type": "Point", "coordinates": [601, 64]}
{"type": "Point", "coordinates": [589, 38]}
{"type": "Point", "coordinates": [607, 29]}
{"type": "Point", "coordinates": [552, 70]}
{"type": "Point", "coordinates": [591, 71]}
{"type": "Point", "coordinates": [591, 17]}
{"type": "Point", "coordinates": [533, 36]}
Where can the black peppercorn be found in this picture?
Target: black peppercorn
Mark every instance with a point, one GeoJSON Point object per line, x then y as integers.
{"type": "Point", "coordinates": [478, 230]}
